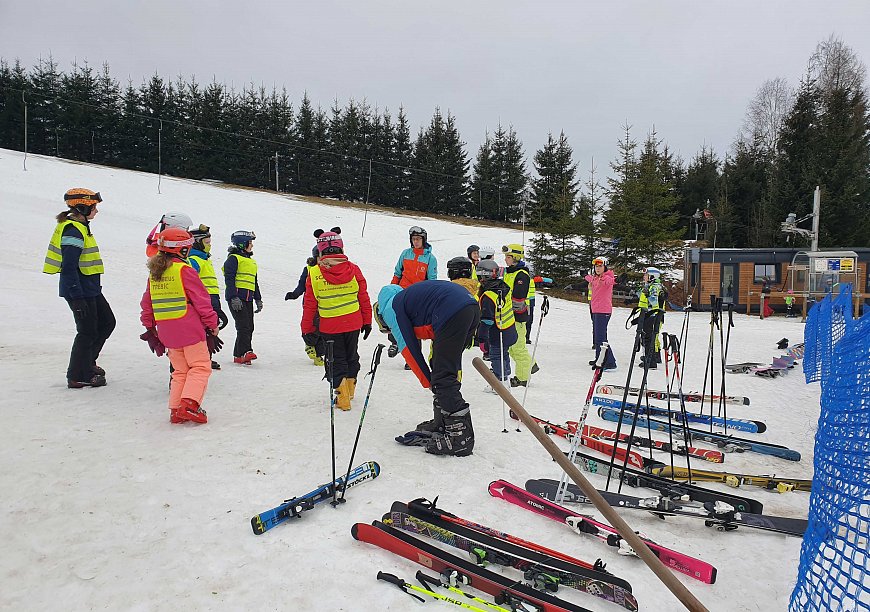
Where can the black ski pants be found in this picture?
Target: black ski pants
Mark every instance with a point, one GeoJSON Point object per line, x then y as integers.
{"type": "Point", "coordinates": [244, 319]}
{"type": "Point", "coordinates": [345, 355]}
{"type": "Point", "coordinates": [92, 331]}
{"type": "Point", "coordinates": [447, 347]}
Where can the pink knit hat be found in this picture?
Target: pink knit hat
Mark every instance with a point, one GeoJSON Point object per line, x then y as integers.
{"type": "Point", "coordinates": [329, 243]}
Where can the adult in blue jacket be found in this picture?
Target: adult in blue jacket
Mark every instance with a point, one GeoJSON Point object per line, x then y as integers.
{"type": "Point", "coordinates": [448, 315]}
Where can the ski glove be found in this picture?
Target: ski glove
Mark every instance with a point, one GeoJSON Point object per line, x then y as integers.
{"type": "Point", "coordinates": [79, 309]}
{"type": "Point", "coordinates": [214, 343]}
{"type": "Point", "coordinates": [290, 296]}
{"type": "Point", "coordinates": [415, 438]}
{"type": "Point", "coordinates": [236, 304]}
{"type": "Point", "coordinates": [366, 330]}
{"type": "Point", "coordinates": [310, 339]}
{"type": "Point", "coordinates": [154, 343]}
{"type": "Point", "coordinates": [259, 304]}
{"type": "Point", "coordinates": [222, 319]}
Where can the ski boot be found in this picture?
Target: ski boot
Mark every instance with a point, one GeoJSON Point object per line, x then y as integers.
{"type": "Point", "coordinates": [516, 382]}
{"type": "Point", "coordinates": [343, 395]}
{"type": "Point", "coordinates": [458, 436]}
{"type": "Point", "coordinates": [189, 410]}
{"type": "Point", "coordinates": [174, 418]}
{"type": "Point", "coordinates": [97, 380]}
{"type": "Point", "coordinates": [535, 368]}
{"type": "Point", "coordinates": [215, 365]}
{"type": "Point", "coordinates": [351, 384]}
{"type": "Point", "coordinates": [433, 425]}
{"type": "Point", "coordinates": [98, 370]}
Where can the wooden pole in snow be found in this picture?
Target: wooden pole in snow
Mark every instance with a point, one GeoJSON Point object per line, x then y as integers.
{"type": "Point", "coordinates": [643, 551]}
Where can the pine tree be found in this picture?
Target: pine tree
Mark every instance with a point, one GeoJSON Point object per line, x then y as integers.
{"type": "Point", "coordinates": [484, 192]}
{"type": "Point", "coordinates": [13, 85]}
{"type": "Point", "coordinates": [699, 188]}
{"type": "Point", "coordinates": [556, 183]}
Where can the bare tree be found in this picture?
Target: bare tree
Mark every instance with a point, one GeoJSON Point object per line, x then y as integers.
{"type": "Point", "coordinates": [766, 114]}
{"type": "Point", "coordinates": [834, 65]}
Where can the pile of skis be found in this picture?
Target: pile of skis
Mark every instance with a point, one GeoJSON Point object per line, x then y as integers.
{"type": "Point", "coordinates": [777, 367]}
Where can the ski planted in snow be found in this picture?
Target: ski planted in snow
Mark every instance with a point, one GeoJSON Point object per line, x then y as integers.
{"type": "Point", "coordinates": [726, 442]}
{"type": "Point", "coordinates": [746, 425]}
{"type": "Point", "coordinates": [666, 486]}
{"type": "Point", "coordinates": [507, 592]}
{"type": "Point", "coordinates": [547, 573]}
{"type": "Point", "coordinates": [679, 562]}
{"type": "Point", "coordinates": [720, 515]}
{"type": "Point", "coordinates": [291, 508]}
{"type": "Point", "coordinates": [771, 483]}
{"type": "Point", "coordinates": [663, 395]}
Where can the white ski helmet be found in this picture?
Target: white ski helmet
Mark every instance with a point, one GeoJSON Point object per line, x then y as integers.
{"type": "Point", "coordinates": [599, 259]}
{"type": "Point", "coordinates": [486, 252]}
{"type": "Point", "coordinates": [176, 219]}
{"type": "Point", "coordinates": [653, 272]}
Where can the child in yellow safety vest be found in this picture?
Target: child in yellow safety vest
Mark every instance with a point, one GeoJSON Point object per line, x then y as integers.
{"type": "Point", "coordinates": [242, 292]}
{"type": "Point", "coordinates": [177, 314]}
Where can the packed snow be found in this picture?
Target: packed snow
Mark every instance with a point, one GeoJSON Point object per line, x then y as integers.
{"type": "Point", "coordinates": [108, 506]}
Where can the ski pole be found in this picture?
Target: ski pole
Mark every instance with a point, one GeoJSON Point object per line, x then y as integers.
{"type": "Point", "coordinates": [722, 393]}
{"type": "Point", "coordinates": [330, 366]}
{"type": "Point", "coordinates": [407, 587]}
{"type": "Point", "coordinates": [376, 360]}
{"type": "Point", "coordinates": [545, 308]}
{"type": "Point", "coordinates": [575, 442]}
{"type": "Point", "coordinates": [687, 436]}
{"type": "Point", "coordinates": [449, 581]}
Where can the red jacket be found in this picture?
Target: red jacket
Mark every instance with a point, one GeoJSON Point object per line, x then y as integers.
{"type": "Point", "coordinates": [336, 270]}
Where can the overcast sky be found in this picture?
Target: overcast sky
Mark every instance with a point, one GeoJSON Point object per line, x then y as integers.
{"type": "Point", "coordinates": [687, 67]}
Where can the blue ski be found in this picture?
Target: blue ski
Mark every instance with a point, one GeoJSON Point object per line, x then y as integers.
{"type": "Point", "coordinates": [738, 424]}
{"type": "Point", "coordinates": [723, 441]}
{"type": "Point", "coordinates": [295, 507]}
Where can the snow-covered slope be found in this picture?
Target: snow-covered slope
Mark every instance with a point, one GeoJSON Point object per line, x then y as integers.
{"type": "Point", "coordinates": [108, 506]}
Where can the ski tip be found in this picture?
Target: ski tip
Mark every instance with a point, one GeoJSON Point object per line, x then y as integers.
{"type": "Point", "coordinates": [713, 572]}
{"type": "Point", "coordinates": [745, 401]}
{"type": "Point", "coordinates": [375, 467]}
{"type": "Point", "coordinates": [257, 525]}
{"type": "Point", "coordinates": [354, 531]}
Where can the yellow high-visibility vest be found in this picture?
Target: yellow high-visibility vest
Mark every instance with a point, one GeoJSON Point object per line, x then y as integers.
{"type": "Point", "coordinates": [504, 316]}
{"type": "Point", "coordinates": [207, 275]}
{"type": "Point", "coordinates": [246, 274]}
{"type": "Point", "coordinates": [333, 300]}
{"type": "Point", "coordinates": [168, 300]}
{"type": "Point", "coordinates": [89, 261]}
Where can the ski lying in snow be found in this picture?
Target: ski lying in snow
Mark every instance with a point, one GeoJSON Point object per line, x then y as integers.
{"type": "Point", "coordinates": [291, 508]}
{"type": "Point", "coordinates": [723, 441]}
{"type": "Point", "coordinates": [663, 395]}
{"type": "Point", "coordinates": [771, 483]}
{"type": "Point", "coordinates": [546, 573]}
{"type": "Point", "coordinates": [715, 514]}
{"type": "Point", "coordinates": [563, 431]}
{"type": "Point", "coordinates": [666, 486]}
{"type": "Point", "coordinates": [508, 593]}
{"type": "Point", "coordinates": [713, 456]}
{"type": "Point", "coordinates": [746, 425]}
{"type": "Point", "coordinates": [742, 368]}
{"type": "Point", "coordinates": [679, 562]}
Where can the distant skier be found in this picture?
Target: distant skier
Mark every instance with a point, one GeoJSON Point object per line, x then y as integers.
{"type": "Point", "coordinates": [445, 313]}
{"type": "Point", "coordinates": [497, 321]}
{"type": "Point", "coordinates": [177, 311]}
{"type": "Point", "coordinates": [415, 264]}
{"type": "Point", "coordinates": [242, 293]}
{"type": "Point", "coordinates": [789, 304]}
{"type": "Point", "coordinates": [73, 253]}
{"type": "Point", "coordinates": [336, 291]}
{"type": "Point", "coordinates": [200, 260]}
{"type": "Point", "coordinates": [652, 300]}
{"type": "Point", "coordinates": [601, 282]}
{"type": "Point", "coordinates": [517, 277]}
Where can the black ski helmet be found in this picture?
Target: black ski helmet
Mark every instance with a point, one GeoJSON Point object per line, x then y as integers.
{"type": "Point", "coordinates": [416, 230]}
{"type": "Point", "coordinates": [459, 267]}
{"type": "Point", "coordinates": [487, 269]}
{"type": "Point", "coordinates": [471, 249]}
{"type": "Point", "coordinates": [199, 234]}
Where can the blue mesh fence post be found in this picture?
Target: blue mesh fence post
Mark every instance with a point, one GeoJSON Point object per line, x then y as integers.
{"type": "Point", "coordinates": [834, 571]}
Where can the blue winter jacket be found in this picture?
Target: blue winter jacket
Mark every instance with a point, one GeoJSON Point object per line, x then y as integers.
{"type": "Point", "coordinates": [419, 312]}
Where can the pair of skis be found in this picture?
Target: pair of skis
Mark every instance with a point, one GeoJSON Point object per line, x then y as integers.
{"type": "Point", "coordinates": [726, 442]}
{"type": "Point", "coordinates": [293, 508]}
{"type": "Point", "coordinates": [771, 483]}
{"type": "Point", "coordinates": [747, 425]}
{"type": "Point", "coordinates": [720, 515]}
{"type": "Point", "coordinates": [663, 395]}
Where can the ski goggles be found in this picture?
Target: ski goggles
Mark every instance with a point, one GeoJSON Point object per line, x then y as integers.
{"type": "Point", "coordinates": [74, 199]}
{"type": "Point", "coordinates": [598, 262]}
{"type": "Point", "coordinates": [416, 231]}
